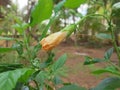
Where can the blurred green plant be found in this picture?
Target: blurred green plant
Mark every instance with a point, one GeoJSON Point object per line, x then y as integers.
{"type": "Point", "coordinates": [37, 74]}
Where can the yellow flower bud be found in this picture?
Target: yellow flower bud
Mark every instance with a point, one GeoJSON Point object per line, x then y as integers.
{"type": "Point", "coordinates": [52, 40]}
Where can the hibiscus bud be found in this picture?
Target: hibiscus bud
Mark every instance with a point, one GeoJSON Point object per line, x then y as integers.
{"type": "Point", "coordinates": [54, 39]}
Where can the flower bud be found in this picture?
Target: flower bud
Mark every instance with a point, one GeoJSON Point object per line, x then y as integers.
{"type": "Point", "coordinates": [54, 39]}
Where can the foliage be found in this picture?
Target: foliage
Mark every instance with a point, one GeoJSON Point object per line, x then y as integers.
{"type": "Point", "coordinates": [45, 73]}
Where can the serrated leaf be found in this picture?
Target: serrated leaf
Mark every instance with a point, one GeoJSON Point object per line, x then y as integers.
{"type": "Point", "coordinates": [103, 36]}
{"type": "Point", "coordinates": [59, 63]}
{"type": "Point", "coordinates": [41, 11]}
{"type": "Point", "coordinates": [72, 87]}
{"type": "Point", "coordinates": [9, 79]}
{"type": "Point", "coordinates": [108, 54]}
{"type": "Point", "coordinates": [111, 83]}
{"type": "Point", "coordinates": [74, 3]}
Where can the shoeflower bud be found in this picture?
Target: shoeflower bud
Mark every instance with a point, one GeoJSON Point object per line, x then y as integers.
{"type": "Point", "coordinates": [49, 42]}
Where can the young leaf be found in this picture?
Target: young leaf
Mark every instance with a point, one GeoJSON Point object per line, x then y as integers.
{"type": "Point", "coordinates": [59, 63]}
{"type": "Point", "coordinates": [72, 87]}
{"type": "Point", "coordinates": [108, 54]}
{"type": "Point", "coordinates": [41, 11]}
{"type": "Point", "coordinates": [111, 83]}
{"type": "Point", "coordinates": [74, 3]}
{"type": "Point", "coordinates": [89, 60]}
{"type": "Point", "coordinates": [109, 69]}
{"type": "Point", "coordinates": [9, 79]}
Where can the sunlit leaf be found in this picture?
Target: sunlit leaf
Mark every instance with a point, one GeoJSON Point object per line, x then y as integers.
{"type": "Point", "coordinates": [41, 11]}
{"type": "Point", "coordinates": [4, 49]}
{"type": "Point", "coordinates": [74, 3]}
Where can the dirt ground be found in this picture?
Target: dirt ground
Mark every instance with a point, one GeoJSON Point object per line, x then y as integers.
{"type": "Point", "coordinates": [79, 73]}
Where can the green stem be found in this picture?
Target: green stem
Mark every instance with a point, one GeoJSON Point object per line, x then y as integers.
{"type": "Point", "coordinates": [114, 44]}
{"type": "Point", "coordinates": [110, 27]}
{"type": "Point", "coordinates": [109, 61]}
{"type": "Point", "coordinates": [47, 27]}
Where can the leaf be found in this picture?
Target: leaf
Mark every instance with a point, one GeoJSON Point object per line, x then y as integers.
{"type": "Point", "coordinates": [71, 87]}
{"type": "Point", "coordinates": [41, 77]}
{"type": "Point", "coordinates": [9, 79]}
{"type": "Point", "coordinates": [7, 67]}
{"type": "Point", "coordinates": [20, 27]}
{"type": "Point", "coordinates": [18, 46]}
{"type": "Point", "coordinates": [89, 60]}
{"type": "Point", "coordinates": [57, 80]}
{"type": "Point", "coordinates": [111, 83]}
{"type": "Point", "coordinates": [74, 3]}
{"type": "Point", "coordinates": [109, 69]}
{"type": "Point", "coordinates": [103, 36]}
{"type": "Point", "coordinates": [41, 11]}
{"type": "Point", "coordinates": [108, 54]}
{"type": "Point", "coordinates": [3, 49]}
{"type": "Point", "coordinates": [59, 6]}
{"type": "Point", "coordinates": [116, 10]}
{"type": "Point", "coordinates": [6, 38]}
{"type": "Point", "coordinates": [59, 63]}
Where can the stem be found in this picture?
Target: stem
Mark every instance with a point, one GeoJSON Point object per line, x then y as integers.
{"type": "Point", "coordinates": [109, 61]}
{"type": "Point", "coordinates": [110, 27]}
{"type": "Point", "coordinates": [47, 27]}
{"type": "Point", "coordinates": [114, 44]}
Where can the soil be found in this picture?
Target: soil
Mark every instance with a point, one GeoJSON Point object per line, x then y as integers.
{"type": "Point", "coordinates": [78, 72]}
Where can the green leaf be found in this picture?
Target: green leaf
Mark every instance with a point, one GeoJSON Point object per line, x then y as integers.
{"type": "Point", "coordinates": [9, 79]}
{"type": "Point", "coordinates": [41, 77]}
{"type": "Point", "coordinates": [116, 9]}
{"type": "Point", "coordinates": [6, 67]}
{"type": "Point", "coordinates": [60, 62]}
{"type": "Point", "coordinates": [41, 11]}
{"type": "Point", "coordinates": [103, 36]}
{"type": "Point", "coordinates": [19, 47]}
{"type": "Point", "coordinates": [57, 80]}
{"type": "Point", "coordinates": [74, 3]}
{"type": "Point", "coordinates": [71, 87]}
{"type": "Point", "coordinates": [3, 49]}
{"type": "Point", "coordinates": [6, 38]}
{"type": "Point", "coordinates": [111, 83]}
{"type": "Point", "coordinates": [20, 27]}
{"type": "Point", "coordinates": [89, 60]}
{"type": "Point", "coordinates": [108, 54]}
{"type": "Point", "coordinates": [109, 69]}
{"type": "Point", "coordinates": [59, 6]}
